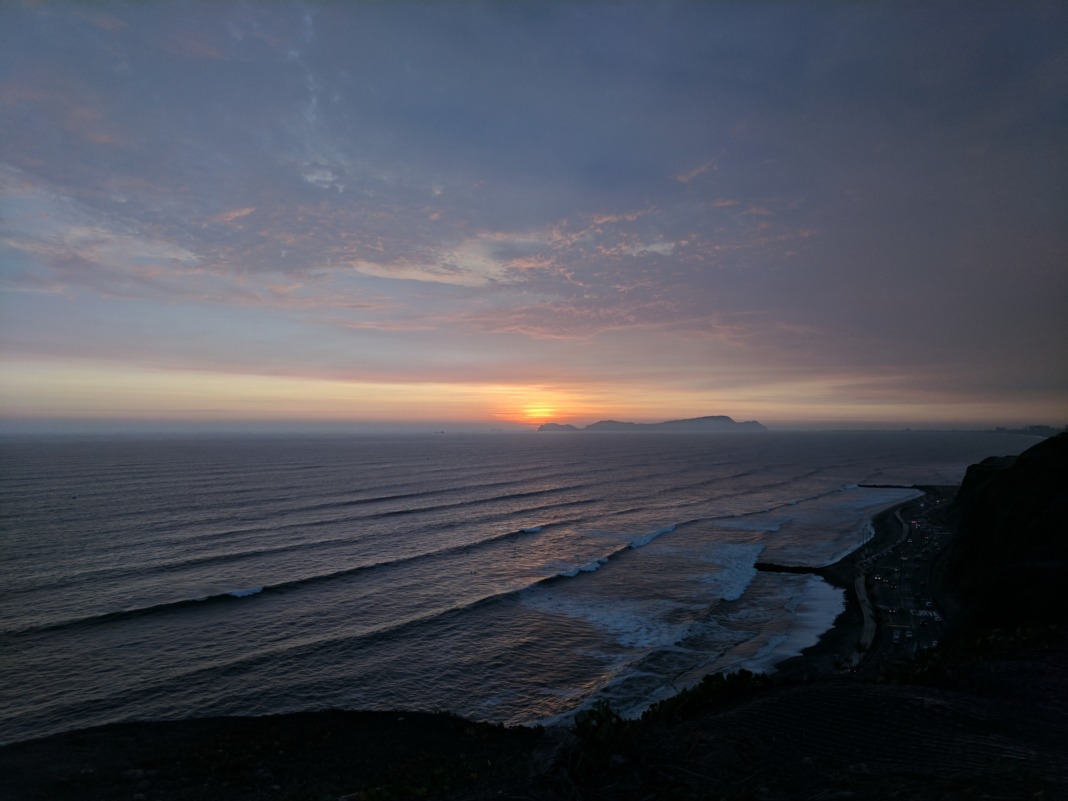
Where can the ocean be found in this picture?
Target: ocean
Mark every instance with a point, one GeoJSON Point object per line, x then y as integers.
{"type": "Point", "coordinates": [512, 578]}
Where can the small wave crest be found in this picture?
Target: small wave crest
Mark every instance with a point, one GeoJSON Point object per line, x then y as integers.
{"type": "Point", "coordinates": [645, 539]}
{"type": "Point", "coordinates": [265, 589]}
{"type": "Point", "coordinates": [142, 611]}
{"type": "Point", "coordinates": [589, 567]}
{"type": "Point", "coordinates": [740, 523]}
{"type": "Point", "coordinates": [632, 544]}
{"type": "Point", "coordinates": [245, 593]}
{"type": "Point", "coordinates": [737, 569]}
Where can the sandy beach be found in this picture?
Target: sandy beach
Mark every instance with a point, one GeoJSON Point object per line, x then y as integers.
{"type": "Point", "coordinates": [837, 649]}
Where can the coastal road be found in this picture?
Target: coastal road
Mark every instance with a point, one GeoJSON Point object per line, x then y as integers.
{"type": "Point", "coordinates": [898, 583]}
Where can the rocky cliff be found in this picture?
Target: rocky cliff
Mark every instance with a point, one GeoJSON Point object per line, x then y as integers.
{"type": "Point", "coordinates": [1008, 564]}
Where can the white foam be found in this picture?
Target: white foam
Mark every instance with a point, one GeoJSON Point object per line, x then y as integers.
{"type": "Point", "coordinates": [531, 530]}
{"type": "Point", "coordinates": [645, 539]}
{"type": "Point", "coordinates": [245, 593]}
{"type": "Point", "coordinates": [740, 524]}
{"type": "Point", "coordinates": [812, 612]}
{"type": "Point", "coordinates": [640, 625]}
{"type": "Point", "coordinates": [737, 569]}
{"type": "Point", "coordinates": [830, 527]}
{"type": "Point", "coordinates": [589, 567]}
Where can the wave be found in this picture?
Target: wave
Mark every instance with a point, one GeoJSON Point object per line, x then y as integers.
{"type": "Point", "coordinates": [738, 520]}
{"type": "Point", "coordinates": [267, 589]}
{"type": "Point", "coordinates": [268, 521]}
{"type": "Point", "coordinates": [407, 496]}
{"type": "Point", "coordinates": [246, 593]}
{"type": "Point", "coordinates": [811, 612]}
{"type": "Point", "coordinates": [728, 521]}
{"type": "Point", "coordinates": [288, 548]}
{"type": "Point", "coordinates": [231, 596]}
{"type": "Point", "coordinates": [310, 646]}
{"type": "Point", "coordinates": [635, 543]}
{"type": "Point", "coordinates": [738, 572]}
{"type": "Point", "coordinates": [589, 567]}
{"type": "Point", "coordinates": [645, 539]}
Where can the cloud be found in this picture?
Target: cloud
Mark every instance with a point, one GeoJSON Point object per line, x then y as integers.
{"type": "Point", "coordinates": [189, 42]}
{"type": "Point", "coordinates": [324, 179]}
{"type": "Point", "coordinates": [812, 190]}
{"type": "Point", "coordinates": [65, 102]}
{"type": "Point", "coordinates": [230, 216]}
{"type": "Point", "coordinates": [689, 175]}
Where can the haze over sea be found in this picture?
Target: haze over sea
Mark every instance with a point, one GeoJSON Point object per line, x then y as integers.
{"type": "Point", "coordinates": [506, 577]}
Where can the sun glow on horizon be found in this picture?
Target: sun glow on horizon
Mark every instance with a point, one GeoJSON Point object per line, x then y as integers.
{"type": "Point", "coordinates": [101, 391]}
{"type": "Point", "coordinates": [539, 413]}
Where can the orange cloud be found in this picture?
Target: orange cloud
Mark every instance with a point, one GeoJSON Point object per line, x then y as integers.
{"type": "Point", "coordinates": [601, 219]}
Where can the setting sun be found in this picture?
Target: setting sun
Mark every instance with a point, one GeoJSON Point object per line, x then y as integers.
{"type": "Point", "coordinates": [538, 413]}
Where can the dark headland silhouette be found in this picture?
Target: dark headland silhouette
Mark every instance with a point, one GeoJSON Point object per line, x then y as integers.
{"type": "Point", "coordinates": [1008, 562]}
{"type": "Point", "coordinates": [696, 425]}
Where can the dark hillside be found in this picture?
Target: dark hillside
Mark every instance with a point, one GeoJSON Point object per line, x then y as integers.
{"type": "Point", "coordinates": [1009, 560]}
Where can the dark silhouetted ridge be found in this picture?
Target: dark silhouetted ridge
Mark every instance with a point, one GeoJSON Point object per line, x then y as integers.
{"type": "Point", "coordinates": [1008, 564]}
{"type": "Point", "coordinates": [709, 424]}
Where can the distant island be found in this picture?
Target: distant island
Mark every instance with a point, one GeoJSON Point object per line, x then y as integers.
{"type": "Point", "coordinates": [695, 425]}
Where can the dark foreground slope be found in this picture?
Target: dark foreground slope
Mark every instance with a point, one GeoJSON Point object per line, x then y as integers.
{"type": "Point", "coordinates": [982, 717]}
{"type": "Point", "coordinates": [995, 728]}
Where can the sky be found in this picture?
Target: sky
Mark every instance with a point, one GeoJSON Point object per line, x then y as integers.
{"type": "Point", "coordinates": [500, 214]}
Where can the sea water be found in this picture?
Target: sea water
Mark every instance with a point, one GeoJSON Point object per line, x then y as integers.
{"type": "Point", "coordinates": [506, 577]}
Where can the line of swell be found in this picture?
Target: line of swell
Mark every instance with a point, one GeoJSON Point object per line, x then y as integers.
{"type": "Point", "coordinates": [415, 621]}
{"type": "Point", "coordinates": [201, 561]}
{"type": "Point", "coordinates": [301, 508]}
{"type": "Point", "coordinates": [268, 589]}
{"type": "Point", "coordinates": [784, 505]}
{"type": "Point", "coordinates": [276, 528]}
{"type": "Point", "coordinates": [226, 597]}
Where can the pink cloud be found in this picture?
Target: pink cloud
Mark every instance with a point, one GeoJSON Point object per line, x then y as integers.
{"type": "Point", "coordinates": [603, 219]}
{"type": "Point", "coordinates": [230, 216]}
{"type": "Point", "coordinates": [71, 106]}
{"type": "Point", "coordinates": [689, 175]}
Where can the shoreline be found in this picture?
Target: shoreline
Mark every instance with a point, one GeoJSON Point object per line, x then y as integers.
{"type": "Point", "coordinates": [837, 648]}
